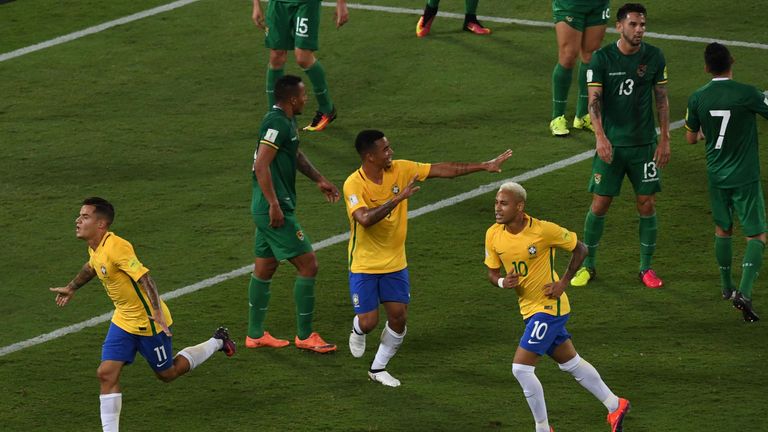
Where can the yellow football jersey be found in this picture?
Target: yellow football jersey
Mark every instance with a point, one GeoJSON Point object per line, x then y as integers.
{"type": "Point", "coordinates": [380, 248]}
{"type": "Point", "coordinates": [119, 270]}
{"type": "Point", "coordinates": [531, 254]}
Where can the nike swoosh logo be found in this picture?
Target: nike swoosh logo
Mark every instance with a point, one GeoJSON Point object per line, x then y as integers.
{"type": "Point", "coordinates": [161, 364]}
{"type": "Point", "coordinates": [532, 342]}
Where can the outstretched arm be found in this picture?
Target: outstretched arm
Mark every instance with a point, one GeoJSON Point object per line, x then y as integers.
{"type": "Point", "coordinates": [662, 107]}
{"type": "Point", "coordinates": [154, 299]}
{"type": "Point", "coordinates": [455, 169]}
{"type": "Point", "coordinates": [327, 188]}
{"type": "Point", "coordinates": [65, 294]}
{"type": "Point", "coordinates": [556, 289]}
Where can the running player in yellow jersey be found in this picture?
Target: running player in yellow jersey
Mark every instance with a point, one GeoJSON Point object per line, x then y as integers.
{"type": "Point", "coordinates": [141, 321]}
{"type": "Point", "coordinates": [525, 246]}
{"type": "Point", "coordinates": [377, 206]}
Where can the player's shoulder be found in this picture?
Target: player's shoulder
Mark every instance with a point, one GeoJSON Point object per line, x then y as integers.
{"type": "Point", "coordinates": [355, 178]}
{"type": "Point", "coordinates": [114, 244]}
{"type": "Point", "coordinates": [652, 50]}
{"type": "Point", "coordinates": [494, 230]}
{"type": "Point", "coordinates": [275, 118]}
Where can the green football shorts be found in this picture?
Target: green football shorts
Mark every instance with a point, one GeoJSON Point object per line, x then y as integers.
{"type": "Point", "coordinates": [282, 243]}
{"type": "Point", "coordinates": [747, 201]}
{"type": "Point", "coordinates": [634, 162]}
{"type": "Point", "coordinates": [579, 16]}
{"type": "Point", "coordinates": [293, 25]}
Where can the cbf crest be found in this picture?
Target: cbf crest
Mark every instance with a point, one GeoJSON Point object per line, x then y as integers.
{"type": "Point", "coordinates": [532, 250]}
{"type": "Point", "coordinates": [355, 300]}
{"type": "Point", "coordinates": [103, 270]}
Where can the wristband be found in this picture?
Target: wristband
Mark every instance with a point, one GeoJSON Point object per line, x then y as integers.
{"type": "Point", "coordinates": [500, 282]}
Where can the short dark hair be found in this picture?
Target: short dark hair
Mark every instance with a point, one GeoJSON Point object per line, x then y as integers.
{"type": "Point", "coordinates": [366, 140]}
{"type": "Point", "coordinates": [628, 8]}
{"type": "Point", "coordinates": [102, 208]}
{"type": "Point", "coordinates": [286, 87]}
{"type": "Point", "coordinates": [717, 58]}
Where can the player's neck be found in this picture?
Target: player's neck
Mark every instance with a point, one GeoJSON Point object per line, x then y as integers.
{"type": "Point", "coordinates": [726, 76]}
{"type": "Point", "coordinates": [626, 48]}
{"type": "Point", "coordinates": [517, 225]}
{"type": "Point", "coordinates": [373, 173]}
{"type": "Point", "coordinates": [94, 242]}
{"type": "Point", "coordinates": [287, 109]}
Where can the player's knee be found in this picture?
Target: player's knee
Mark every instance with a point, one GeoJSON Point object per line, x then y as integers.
{"type": "Point", "coordinates": [304, 58]}
{"type": "Point", "coordinates": [567, 56]}
{"type": "Point", "coordinates": [367, 324]}
{"type": "Point", "coordinates": [277, 58]}
{"type": "Point", "coordinates": [586, 56]}
{"type": "Point", "coordinates": [167, 375]}
{"type": "Point", "coordinates": [106, 376]}
{"type": "Point", "coordinates": [646, 205]}
{"type": "Point", "coordinates": [397, 323]}
{"type": "Point", "coordinates": [309, 267]}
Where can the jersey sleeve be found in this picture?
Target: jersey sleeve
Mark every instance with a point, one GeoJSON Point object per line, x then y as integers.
{"type": "Point", "coordinates": [692, 122]}
{"type": "Point", "coordinates": [760, 104]}
{"type": "Point", "coordinates": [596, 71]}
{"type": "Point", "coordinates": [492, 259]}
{"type": "Point", "coordinates": [414, 169]}
{"type": "Point", "coordinates": [273, 133]}
{"type": "Point", "coordinates": [125, 259]}
{"type": "Point", "coordinates": [556, 236]}
{"type": "Point", "coordinates": [661, 72]}
{"type": "Point", "coordinates": [354, 195]}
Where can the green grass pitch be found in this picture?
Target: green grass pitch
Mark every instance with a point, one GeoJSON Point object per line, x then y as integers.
{"type": "Point", "coordinates": [160, 116]}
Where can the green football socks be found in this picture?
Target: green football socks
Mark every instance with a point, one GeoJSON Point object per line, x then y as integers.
{"type": "Point", "coordinates": [593, 231]}
{"type": "Point", "coordinates": [316, 75]}
{"type": "Point", "coordinates": [272, 76]}
{"type": "Point", "coordinates": [304, 296]}
{"type": "Point", "coordinates": [583, 101]}
{"type": "Point", "coordinates": [258, 303]}
{"type": "Point", "coordinates": [433, 3]}
{"type": "Point", "coordinates": [724, 256]}
{"type": "Point", "coordinates": [470, 7]}
{"type": "Point", "coordinates": [647, 240]}
{"type": "Point", "coordinates": [750, 267]}
{"type": "Point", "coordinates": [561, 83]}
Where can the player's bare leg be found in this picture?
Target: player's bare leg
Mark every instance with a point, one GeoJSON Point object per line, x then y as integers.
{"type": "Point", "coordinates": [391, 338]}
{"type": "Point", "coordinates": [304, 296]}
{"type": "Point", "coordinates": [258, 304]}
{"type": "Point", "coordinates": [110, 400]}
{"type": "Point", "coordinates": [646, 208]}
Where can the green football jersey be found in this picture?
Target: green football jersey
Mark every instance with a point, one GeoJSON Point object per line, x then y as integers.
{"type": "Point", "coordinates": [281, 133]}
{"type": "Point", "coordinates": [627, 82]}
{"type": "Point", "coordinates": [725, 111]}
{"type": "Point", "coordinates": [296, 1]}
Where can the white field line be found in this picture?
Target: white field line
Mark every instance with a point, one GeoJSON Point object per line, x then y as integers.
{"type": "Point", "coordinates": [531, 23]}
{"type": "Point", "coordinates": [397, 10]}
{"type": "Point", "coordinates": [95, 29]}
{"type": "Point", "coordinates": [331, 240]}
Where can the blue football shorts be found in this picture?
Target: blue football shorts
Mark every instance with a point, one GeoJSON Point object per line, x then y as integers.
{"type": "Point", "coordinates": [119, 345]}
{"type": "Point", "coordinates": [544, 332]}
{"type": "Point", "coordinates": [368, 290]}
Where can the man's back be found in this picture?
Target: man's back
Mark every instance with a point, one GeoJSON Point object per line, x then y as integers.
{"type": "Point", "coordinates": [725, 111]}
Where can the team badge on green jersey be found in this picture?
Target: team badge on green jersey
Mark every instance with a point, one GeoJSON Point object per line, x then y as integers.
{"type": "Point", "coordinates": [300, 234]}
{"type": "Point", "coordinates": [598, 178]}
{"type": "Point", "coordinates": [641, 70]}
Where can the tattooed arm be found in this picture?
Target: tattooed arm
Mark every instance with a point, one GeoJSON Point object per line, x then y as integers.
{"type": "Point", "coordinates": [455, 169]}
{"type": "Point", "coordinates": [662, 107]}
{"type": "Point", "coordinates": [602, 144]}
{"type": "Point", "coordinates": [327, 188]}
{"type": "Point", "coordinates": [368, 216]}
{"type": "Point", "coordinates": [65, 294]}
{"type": "Point", "coordinates": [154, 299]}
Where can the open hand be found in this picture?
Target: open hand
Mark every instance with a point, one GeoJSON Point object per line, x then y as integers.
{"type": "Point", "coordinates": [494, 165]}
